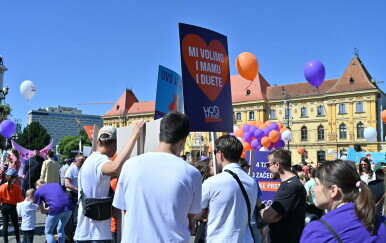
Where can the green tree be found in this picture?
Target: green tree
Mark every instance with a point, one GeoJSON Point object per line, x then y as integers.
{"type": "Point", "coordinates": [34, 136]}
{"type": "Point", "coordinates": [71, 143]}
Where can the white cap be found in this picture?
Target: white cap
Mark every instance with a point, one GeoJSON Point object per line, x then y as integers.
{"type": "Point", "coordinates": [111, 131]}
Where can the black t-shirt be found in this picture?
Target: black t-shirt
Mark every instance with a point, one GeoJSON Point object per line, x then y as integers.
{"type": "Point", "coordinates": [377, 189]}
{"type": "Point", "coordinates": [290, 203]}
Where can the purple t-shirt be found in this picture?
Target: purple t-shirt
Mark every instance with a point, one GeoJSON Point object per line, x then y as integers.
{"type": "Point", "coordinates": [54, 196]}
{"type": "Point", "coordinates": [346, 224]}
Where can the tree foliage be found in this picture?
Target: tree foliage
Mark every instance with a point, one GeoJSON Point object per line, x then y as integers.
{"type": "Point", "coordinates": [34, 136]}
{"type": "Point", "coordinates": [71, 143]}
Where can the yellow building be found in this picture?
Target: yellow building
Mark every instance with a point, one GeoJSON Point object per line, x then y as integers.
{"type": "Point", "coordinates": [330, 118]}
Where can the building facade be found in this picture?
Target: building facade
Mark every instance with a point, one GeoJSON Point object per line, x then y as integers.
{"type": "Point", "coordinates": [331, 117]}
{"type": "Point", "coordinates": [63, 121]}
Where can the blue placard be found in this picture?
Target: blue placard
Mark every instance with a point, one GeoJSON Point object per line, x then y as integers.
{"type": "Point", "coordinates": [268, 186]}
{"type": "Point", "coordinates": [374, 157]}
{"type": "Point", "coordinates": [169, 93]}
{"type": "Point", "coordinates": [205, 73]}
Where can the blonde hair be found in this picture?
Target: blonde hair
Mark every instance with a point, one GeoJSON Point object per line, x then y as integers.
{"type": "Point", "coordinates": [40, 182]}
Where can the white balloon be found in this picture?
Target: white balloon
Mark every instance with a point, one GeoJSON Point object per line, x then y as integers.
{"type": "Point", "coordinates": [286, 136]}
{"type": "Point", "coordinates": [27, 89]}
{"type": "Point", "coordinates": [263, 149]}
{"type": "Point", "coordinates": [343, 157]}
{"type": "Point", "coordinates": [330, 151]}
{"type": "Point", "coordinates": [235, 128]}
{"type": "Point", "coordinates": [370, 134]}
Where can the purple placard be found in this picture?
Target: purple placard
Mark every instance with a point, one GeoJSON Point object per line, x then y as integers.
{"type": "Point", "coordinates": [264, 177]}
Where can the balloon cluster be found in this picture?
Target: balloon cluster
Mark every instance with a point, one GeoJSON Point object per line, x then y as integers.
{"type": "Point", "coordinates": [261, 136]}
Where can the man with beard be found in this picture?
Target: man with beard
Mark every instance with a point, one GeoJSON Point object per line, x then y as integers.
{"type": "Point", "coordinates": [287, 212]}
{"type": "Point", "coordinates": [32, 169]}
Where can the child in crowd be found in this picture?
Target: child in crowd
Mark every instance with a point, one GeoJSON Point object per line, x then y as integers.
{"type": "Point", "coordinates": [10, 195]}
{"type": "Point", "coordinates": [27, 211]}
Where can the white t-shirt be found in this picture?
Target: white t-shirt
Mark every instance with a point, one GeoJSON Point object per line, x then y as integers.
{"type": "Point", "coordinates": [94, 185]}
{"type": "Point", "coordinates": [158, 190]}
{"type": "Point", "coordinates": [72, 174]}
{"type": "Point", "coordinates": [27, 211]}
{"type": "Point", "coordinates": [228, 213]}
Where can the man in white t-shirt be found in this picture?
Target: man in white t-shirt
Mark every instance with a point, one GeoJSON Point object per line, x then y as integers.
{"type": "Point", "coordinates": [159, 192]}
{"type": "Point", "coordinates": [221, 194]}
{"type": "Point", "coordinates": [94, 180]}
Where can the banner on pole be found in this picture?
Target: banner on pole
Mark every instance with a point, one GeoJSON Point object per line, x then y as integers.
{"type": "Point", "coordinates": [206, 79]}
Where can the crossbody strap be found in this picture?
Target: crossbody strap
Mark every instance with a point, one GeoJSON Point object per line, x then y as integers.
{"type": "Point", "coordinates": [332, 231]}
{"type": "Point", "coordinates": [246, 199]}
{"type": "Point", "coordinates": [380, 200]}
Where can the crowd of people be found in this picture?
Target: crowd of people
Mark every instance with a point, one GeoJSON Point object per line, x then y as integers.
{"type": "Point", "coordinates": [160, 197]}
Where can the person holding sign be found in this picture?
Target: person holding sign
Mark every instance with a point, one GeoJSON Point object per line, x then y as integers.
{"type": "Point", "coordinates": [287, 213]}
{"type": "Point", "coordinates": [159, 192]}
{"type": "Point", "coordinates": [230, 196]}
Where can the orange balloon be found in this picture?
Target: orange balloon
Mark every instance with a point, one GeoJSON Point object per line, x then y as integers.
{"type": "Point", "coordinates": [265, 142]}
{"type": "Point", "coordinates": [283, 129]}
{"type": "Point", "coordinates": [300, 150]}
{"type": "Point", "coordinates": [241, 125]}
{"type": "Point", "coordinates": [280, 125]}
{"type": "Point", "coordinates": [274, 136]}
{"type": "Point", "coordinates": [268, 122]}
{"type": "Point", "coordinates": [246, 146]}
{"type": "Point", "coordinates": [258, 123]}
{"type": "Point", "coordinates": [262, 126]}
{"type": "Point", "coordinates": [247, 65]}
{"type": "Point", "coordinates": [243, 155]}
{"type": "Point", "coordinates": [383, 115]}
{"type": "Point", "coordinates": [252, 123]}
{"type": "Point", "coordinates": [239, 133]}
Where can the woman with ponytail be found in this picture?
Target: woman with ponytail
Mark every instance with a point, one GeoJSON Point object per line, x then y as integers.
{"type": "Point", "coordinates": [351, 216]}
{"type": "Point", "coordinates": [10, 195]}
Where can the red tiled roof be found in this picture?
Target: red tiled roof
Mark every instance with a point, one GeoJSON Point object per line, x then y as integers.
{"type": "Point", "coordinates": [239, 87]}
{"type": "Point", "coordinates": [142, 107]}
{"type": "Point", "coordinates": [123, 104]}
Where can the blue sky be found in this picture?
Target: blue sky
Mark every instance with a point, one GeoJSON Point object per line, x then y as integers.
{"type": "Point", "coordinates": [90, 51]}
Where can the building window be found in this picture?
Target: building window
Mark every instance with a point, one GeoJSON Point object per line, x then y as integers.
{"type": "Point", "coordinates": [320, 132]}
{"type": "Point", "coordinates": [288, 113]}
{"type": "Point", "coordinates": [304, 133]}
{"type": "Point", "coordinates": [251, 115]}
{"type": "Point", "coordinates": [342, 108]}
{"type": "Point", "coordinates": [360, 130]}
{"type": "Point", "coordinates": [304, 157]}
{"type": "Point", "coordinates": [238, 116]}
{"type": "Point", "coordinates": [359, 107]}
{"type": "Point", "coordinates": [320, 110]}
{"type": "Point", "coordinates": [303, 112]}
{"type": "Point", "coordinates": [352, 81]}
{"type": "Point", "coordinates": [272, 114]}
{"type": "Point", "coordinates": [342, 131]}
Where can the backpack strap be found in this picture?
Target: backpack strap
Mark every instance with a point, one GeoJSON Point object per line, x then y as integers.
{"type": "Point", "coordinates": [246, 200]}
{"type": "Point", "coordinates": [332, 231]}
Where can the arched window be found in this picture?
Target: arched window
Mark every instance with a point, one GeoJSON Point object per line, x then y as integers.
{"type": "Point", "coordinates": [304, 156]}
{"type": "Point", "coordinates": [320, 132]}
{"type": "Point", "coordinates": [304, 133]}
{"type": "Point", "coordinates": [360, 130]}
{"type": "Point", "coordinates": [342, 131]}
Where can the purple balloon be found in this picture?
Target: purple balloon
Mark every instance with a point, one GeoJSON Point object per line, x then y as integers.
{"type": "Point", "coordinates": [314, 72]}
{"type": "Point", "coordinates": [279, 144]}
{"type": "Point", "coordinates": [259, 134]}
{"type": "Point", "coordinates": [266, 131]}
{"type": "Point", "coordinates": [7, 128]}
{"type": "Point", "coordinates": [246, 127]}
{"type": "Point", "coordinates": [270, 146]}
{"type": "Point", "coordinates": [274, 126]}
{"type": "Point", "coordinates": [255, 144]}
{"type": "Point", "coordinates": [232, 134]}
{"type": "Point", "coordinates": [247, 137]}
{"type": "Point", "coordinates": [252, 129]}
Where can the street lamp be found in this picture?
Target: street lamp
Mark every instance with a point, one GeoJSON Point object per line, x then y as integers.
{"type": "Point", "coordinates": [287, 111]}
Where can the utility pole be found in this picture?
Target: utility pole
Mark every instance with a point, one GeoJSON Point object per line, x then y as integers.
{"type": "Point", "coordinates": [287, 111]}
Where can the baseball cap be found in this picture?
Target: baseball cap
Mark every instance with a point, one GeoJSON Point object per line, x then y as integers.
{"type": "Point", "coordinates": [111, 131]}
{"type": "Point", "coordinates": [12, 172]}
{"type": "Point", "coordinates": [69, 160]}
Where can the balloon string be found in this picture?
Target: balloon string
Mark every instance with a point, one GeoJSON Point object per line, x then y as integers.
{"type": "Point", "coordinates": [249, 85]}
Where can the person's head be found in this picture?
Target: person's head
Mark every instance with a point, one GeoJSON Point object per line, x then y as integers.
{"type": "Point", "coordinates": [380, 174]}
{"type": "Point", "coordinates": [79, 160]}
{"type": "Point", "coordinates": [364, 166]}
{"type": "Point", "coordinates": [183, 157]}
{"type": "Point", "coordinates": [278, 162]}
{"type": "Point", "coordinates": [50, 154]}
{"type": "Point", "coordinates": [174, 129]}
{"type": "Point", "coordinates": [205, 167]}
{"type": "Point", "coordinates": [39, 183]}
{"type": "Point", "coordinates": [11, 175]}
{"type": "Point", "coordinates": [107, 140]}
{"type": "Point", "coordinates": [312, 173]}
{"type": "Point", "coordinates": [36, 152]}
{"type": "Point", "coordinates": [244, 164]}
{"type": "Point", "coordinates": [228, 149]}
{"type": "Point", "coordinates": [338, 182]}
{"type": "Point", "coordinates": [15, 153]}
{"type": "Point", "coordinates": [29, 195]}
{"type": "Point", "coordinates": [68, 161]}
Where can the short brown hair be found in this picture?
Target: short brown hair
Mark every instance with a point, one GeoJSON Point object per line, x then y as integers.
{"type": "Point", "coordinates": [283, 157]}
